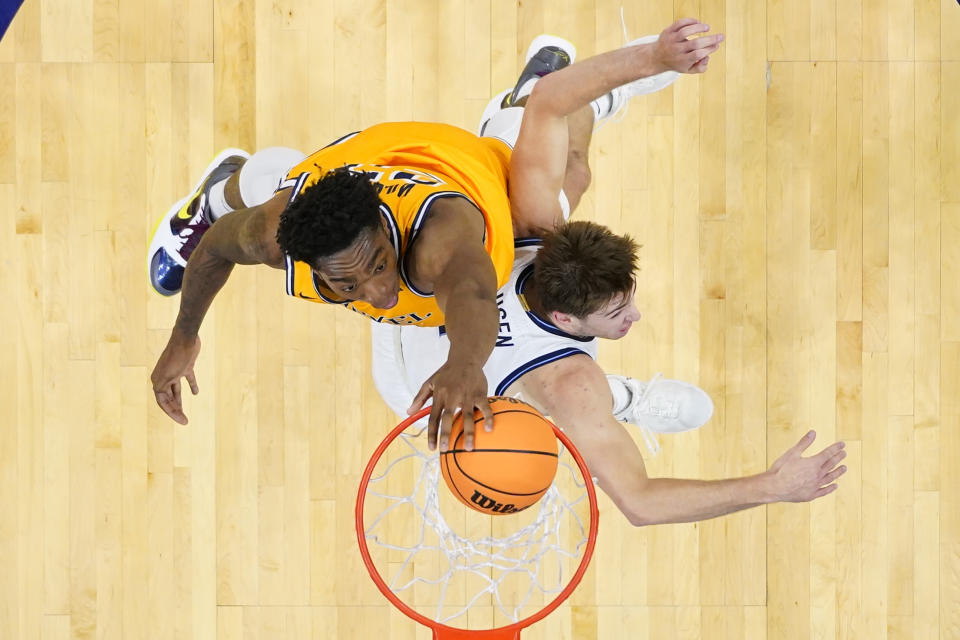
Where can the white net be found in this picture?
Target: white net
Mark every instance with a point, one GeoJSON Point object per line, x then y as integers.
{"type": "Point", "coordinates": [464, 568]}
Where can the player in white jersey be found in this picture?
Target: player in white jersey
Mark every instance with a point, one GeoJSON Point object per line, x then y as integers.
{"type": "Point", "coordinates": [527, 341]}
{"type": "Point", "coordinates": [549, 358]}
{"type": "Point", "coordinates": [579, 286]}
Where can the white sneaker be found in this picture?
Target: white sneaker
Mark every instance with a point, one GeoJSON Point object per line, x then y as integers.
{"type": "Point", "coordinates": [663, 406]}
{"type": "Point", "coordinates": [545, 54]}
{"type": "Point", "coordinates": [179, 230]}
{"type": "Point", "coordinates": [620, 97]}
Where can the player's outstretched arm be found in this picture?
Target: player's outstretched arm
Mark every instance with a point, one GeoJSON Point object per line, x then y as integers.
{"type": "Point", "coordinates": [538, 163]}
{"type": "Point", "coordinates": [243, 237]}
{"type": "Point", "coordinates": [681, 47]}
{"type": "Point", "coordinates": [450, 258]}
{"type": "Point", "coordinates": [574, 392]}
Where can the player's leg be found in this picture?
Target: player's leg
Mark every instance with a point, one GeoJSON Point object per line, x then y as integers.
{"type": "Point", "coordinates": [233, 180]}
{"type": "Point", "coordinates": [386, 362]}
{"type": "Point", "coordinates": [254, 182]}
{"type": "Point", "coordinates": [577, 177]}
{"type": "Point", "coordinates": [258, 179]}
{"type": "Point", "coordinates": [545, 55]}
{"type": "Point", "coordinates": [170, 246]}
{"type": "Point", "coordinates": [503, 116]}
{"type": "Point", "coordinates": [398, 378]}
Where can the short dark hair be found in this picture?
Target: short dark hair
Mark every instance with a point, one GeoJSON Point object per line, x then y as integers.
{"type": "Point", "coordinates": [329, 216]}
{"type": "Point", "coordinates": [582, 266]}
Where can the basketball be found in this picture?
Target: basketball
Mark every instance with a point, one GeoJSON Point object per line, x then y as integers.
{"type": "Point", "coordinates": [510, 468]}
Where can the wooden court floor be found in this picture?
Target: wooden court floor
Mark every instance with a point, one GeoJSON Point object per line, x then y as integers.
{"type": "Point", "coordinates": [799, 209]}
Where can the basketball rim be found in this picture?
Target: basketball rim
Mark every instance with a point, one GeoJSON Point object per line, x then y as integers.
{"type": "Point", "coordinates": [446, 632]}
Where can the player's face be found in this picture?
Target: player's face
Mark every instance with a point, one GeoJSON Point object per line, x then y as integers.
{"type": "Point", "coordinates": [613, 320]}
{"type": "Point", "coordinates": [365, 271]}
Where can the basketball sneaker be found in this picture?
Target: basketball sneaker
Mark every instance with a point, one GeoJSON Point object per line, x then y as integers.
{"type": "Point", "coordinates": [663, 406]}
{"type": "Point", "coordinates": [545, 54]}
{"type": "Point", "coordinates": [620, 97]}
{"type": "Point", "coordinates": [179, 230]}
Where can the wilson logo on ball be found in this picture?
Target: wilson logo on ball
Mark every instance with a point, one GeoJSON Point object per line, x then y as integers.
{"type": "Point", "coordinates": [489, 504]}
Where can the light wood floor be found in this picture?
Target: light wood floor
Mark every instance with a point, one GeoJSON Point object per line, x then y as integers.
{"type": "Point", "coordinates": [799, 207]}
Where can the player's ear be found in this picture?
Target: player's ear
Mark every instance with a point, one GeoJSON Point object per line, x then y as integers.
{"type": "Point", "coordinates": [561, 320]}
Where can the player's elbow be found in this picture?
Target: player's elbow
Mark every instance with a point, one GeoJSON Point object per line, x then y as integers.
{"type": "Point", "coordinates": [646, 518]}
{"type": "Point", "coordinates": [633, 506]}
{"type": "Point", "coordinates": [640, 510]}
{"type": "Point", "coordinates": [638, 517]}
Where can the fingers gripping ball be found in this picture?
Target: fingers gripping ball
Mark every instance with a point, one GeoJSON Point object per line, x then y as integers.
{"type": "Point", "coordinates": [510, 468]}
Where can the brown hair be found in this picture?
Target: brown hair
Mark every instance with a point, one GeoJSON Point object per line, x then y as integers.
{"type": "Point", "coordinates": [582, 266]}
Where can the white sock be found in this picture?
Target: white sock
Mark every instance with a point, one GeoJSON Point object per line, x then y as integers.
{"type": "Point", "coordinates": [621, 395]}
{"type": "Point", "coordinates": [601, 106]}
{"type": "Point", "coordinates": [217, 200]}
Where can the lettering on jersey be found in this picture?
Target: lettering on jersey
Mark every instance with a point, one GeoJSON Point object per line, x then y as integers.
{"type": "Point", "coordinates": [399, 181]}
{"type": "Point", "coordinates": [489, 504]}
{"type": "Point", "coordinates": [407, 318]}
{"type": "Point", "coordinates": [400, 189]}
{"type": "Point", "coordinates": [415, 177]}
{"type": "Point", "coordinates": [504, 339]}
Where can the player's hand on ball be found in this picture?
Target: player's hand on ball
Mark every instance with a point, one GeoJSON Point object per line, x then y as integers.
{"type": "Point", "coordinates": [796, 479]}
{"type": "Point", "coordinates": [453, 387]}
{"type": "Point", "coordinates": [678, 51]}
{"type": "Point", "coordinates": [175, 362]}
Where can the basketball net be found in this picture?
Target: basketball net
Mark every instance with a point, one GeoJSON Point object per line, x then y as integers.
{"type": "Point", "coordinates": [441, 567]}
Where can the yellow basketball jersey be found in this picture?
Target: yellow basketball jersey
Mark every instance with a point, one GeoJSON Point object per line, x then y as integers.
{"type": "Point", "coordinates": [413, 164]}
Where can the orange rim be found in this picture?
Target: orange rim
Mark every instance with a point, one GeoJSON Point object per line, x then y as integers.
{"type": "Point", "coordinates": [440, 630]}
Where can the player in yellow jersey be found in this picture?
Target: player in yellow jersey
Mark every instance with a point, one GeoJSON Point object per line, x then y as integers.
{"type": "Point", "coordinates": [418, 168]}
{"type": "Point", "coordinates": [402, 222]}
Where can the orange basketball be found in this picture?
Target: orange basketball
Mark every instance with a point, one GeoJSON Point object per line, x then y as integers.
{"type": "Point", "coordinates": [510, 468]}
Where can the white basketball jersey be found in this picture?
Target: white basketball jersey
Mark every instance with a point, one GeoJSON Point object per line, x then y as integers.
{"type": "Point", "coordinates": [524, 341]}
